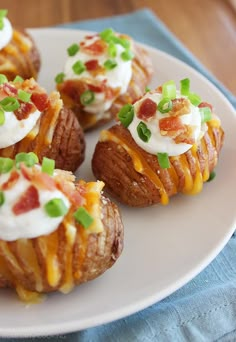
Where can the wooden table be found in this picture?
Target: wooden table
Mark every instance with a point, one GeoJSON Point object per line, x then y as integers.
{"type": "Point", "coordinates": [206, 27]}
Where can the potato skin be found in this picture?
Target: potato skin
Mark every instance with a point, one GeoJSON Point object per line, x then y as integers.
{"type": "Point", "coordinates": [67, 147]}
{"type": "Point", "coordinates": [71, 90]}
{"type": "Point", "coordinates": [112, 164]}
{"type": "Point", "coordinates": [91, 255]}
{"type": "Point", "coordinates": [19, 61]}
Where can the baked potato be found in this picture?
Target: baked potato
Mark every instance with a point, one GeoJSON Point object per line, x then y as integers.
{"type": "Point", "coordinates": [167, 142]}
{"type": "Point", "coordinates": [55, 233]}
{"type": "Point", "coordinates": [32, 121]}
{"type": "Point", "coordinates": [19, 55]}
{"type": "Point", "coordinates": [102, 73]}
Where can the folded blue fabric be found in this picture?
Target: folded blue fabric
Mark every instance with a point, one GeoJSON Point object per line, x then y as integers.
{"type": "Point", "coordinates": [205, 308]}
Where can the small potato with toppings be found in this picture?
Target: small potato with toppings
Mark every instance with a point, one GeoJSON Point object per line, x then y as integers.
{"type": "Point", "coordinates": [32, 121]}
{"type": "Point", "coordinates": [167, 142]}
{"type": "Point", "coordinates": [55, 233]}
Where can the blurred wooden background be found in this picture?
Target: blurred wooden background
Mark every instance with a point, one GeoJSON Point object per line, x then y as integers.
{"type": "Point", "coordinates": [206, 27]}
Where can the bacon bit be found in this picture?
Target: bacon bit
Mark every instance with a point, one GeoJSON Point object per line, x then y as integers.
{"type": "Point", "coordinates": [26, 172]}
{"type": "Point", "coordinates": [96, 48]}
{"type": "Point", "coordinates": [92, 64]}
{"type": "Point", "coordinates": [27, 202]}
{"type": "Point", "coordinates": [205, 104]}
{"type": "Point", "coordinates": [82, 43]}
{"type": "Point", "coordinates": [110, 93]}
{"type": "Point", "coordinates": [185, 137]}
{"type": "Point", "coordinates": [180, 107]}
{"type": "Point", "coordinates": [147, 109]}
{"type": "Point", "coordinates": [159, 89]}
{"type": "Point", "coordinates": [12, 180]}
{"type": "Point", "coordinates": [43, 181]}
{"type": "Point", "coordinates": [96, 89]}
{"type": "Point", "coordinates": [24, 111]}
{"type": "Point", "coordinates": [70, 192]}
{"type": "Point", "coordinates": [9, 89]}
{"type": "Point", "coordinates": [171, 124]}
{"type": "Point", "coordinates": [89, 37]}
{"type": "Point", "coordinates": [40, 100]}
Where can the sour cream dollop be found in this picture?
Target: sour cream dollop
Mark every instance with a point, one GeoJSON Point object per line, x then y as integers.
{"type": "Point", "coordinates": [6, 33]}
{"type": "Point", "coordinates": [117, 77]}
{"type": "Point", "coordinates": [159, 143]}
{"type": "Point", "coordinates": [33, 223]}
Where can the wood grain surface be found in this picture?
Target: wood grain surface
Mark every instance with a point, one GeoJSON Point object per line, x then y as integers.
{"type": "Point", "coordinates": [206, 27]}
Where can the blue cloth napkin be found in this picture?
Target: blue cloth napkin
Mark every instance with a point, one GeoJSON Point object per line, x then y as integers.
{"type": "Point", "coordinates": [205, 308]}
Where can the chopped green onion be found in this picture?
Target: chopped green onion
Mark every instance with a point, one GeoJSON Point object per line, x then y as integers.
{"type": "Point", "coordinates": [3, 13]}
{"type": "Point", "coordinates": [29, 159]}
{"type": "Point", "coordinates": [3, 79]}
{"type": "Point", "coordinates": [205, 114]}
{"type": "Point", "coordinates": [18, 79]}
{"type": "Point", "coordinates": [106, 34]}
{"type": "Point", "coordinates": [169, 90]}
{"type": "Point", "coordinates": [87, 97]}
{"type": "Point", "coordinates": [163, 160]}
{"type": "Point", "coordinates": [109, 64]}
{"type": "Point", "coordinates": [73, 49]}
{"type": "Point", "coordinates": [78, 67]}
{"type": "Point", "coordinates": [212, 176]}
{"type": "Point", "coordinates": [112, 50]}
{"type": "Point", "coordinates": [121, 41]}
{"type": "Point", "coordinates": [6, 164]}
{"type": "Point", "coordinates": [2, 198]}
{"type": "Point", "coordinates": [60, 77]}
{"type": "Point", "coordinates": [48, 166]}
{"type": "Point", "coordinates": [23, 95]}
{"type": "Point", "coordinates": [185, 86]}
{"type": "Point", "coordinates": [147, 89]}
{"type": "Point", "coordinates": [83, 217]}
{"type": "Point", "coordinates": [194, 99]}
{"type": "Point", "coordinates": [9, 104]}
{"type": "Point", "coordinates": [2, 117]}
{"type": "Point", "coordinates": [143, 132]}
{"type": "Point", "coordinates": [165, 105]}
{"type": "Point", "coordinates": [55, 207]}
{"type": "Point", "coordinates": [126, 115]}
{"type": "Point", "coordinates": [127, 55]}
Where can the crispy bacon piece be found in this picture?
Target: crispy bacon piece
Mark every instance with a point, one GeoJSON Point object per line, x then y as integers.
{"type": "Point", "coordinates": [40, 100]}
{"type": "Point", "coordinates": [28, 201]}
{"type": "Point", "coordinates": [147, 109]}
{"type": "Point", "coordinates": [181, 106]}
{"type": "Point", "coordinates": [96, 48]}
{"type": "Point", "coordinates": [9, 89]}
{"type": "Point", "coordinates": [41, 180]}
{"type": "Point", "coordinates": [92, 64]}
{"type": "Point", "coordinates": [26, 108]}
{"type": "Point", "coordinates": [11, 181]}
{"type": "Point", "coordinates": [172, 123]}
{"type": "Point", "coordinates": [205, 104]}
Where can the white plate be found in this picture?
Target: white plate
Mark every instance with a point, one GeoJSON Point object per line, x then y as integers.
{"type": "Point", "coordinates": [164, 246]}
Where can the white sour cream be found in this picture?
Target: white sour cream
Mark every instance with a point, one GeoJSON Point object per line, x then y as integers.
{"type": "Point", "coordinates": [33, 223]}
{"type": "Point", "coordinates": [5, 33]}
{"type": "Point", "coordinates": [164, 144]}
{"type": "Point", "coordinates": [14, 130]}
{"type": "Point", "coordinates": [119, 77]}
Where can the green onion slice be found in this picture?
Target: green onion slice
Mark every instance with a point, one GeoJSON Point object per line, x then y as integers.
{"type": "Point", "coordinates": [163, 160]}
{"type": "Point", "coordinates": [78, 67]}
{"type": "Point", "coordinates": [9, 104]}
{"type": "Point", "coordinates": [2, 198]}
{"type": "Point", "coordinates": [3, 13]}
{"type": "Point", "coordinates": [83, 217]}
{"type": "Point", "coordinates": [73, 49]}
{"type": "Point", "coordinates": [212, 176]}
{"type": "Point", "coordinates": [18, 79]}
{"type": "Point", "coordinates": [147, 89]}
{"type": "Point", "coordinates": [143, 132]}
{"type": "Point", "coordinates": [2, 117]}
{"type": "Point", "coordinates": [165, 105]}
{"type": "Point", "coordinates": [6, 165]}
{"type": "Point", "coordinates": [126, 115]}
{"type": "Point", "coordinates": [121, 41]}
{"type": "Point", "coordinates": [169, 90]}
{"type": "Point", "coordinates": [3, 79]}
{"type": "Point", "coordinates": [127, 55]}
{"type": "Point", "coordinates": [185, 86]}
{"type": "Point", "coordinates": [194, 99]}
{"type": "Point", "coordinates": [23, 95]}
{"type": "Point", "coordinates": [106, 34]}
{"type": "Point", "coordinates": [110, 64]}
{"type": "Point", "coordinates": [55, 207]}
{"type": "Point", "coordinates": [60, 77]}
{"type": "Point", "coordinates": [29, 159]}
{"type": "Point", "coordinates": [112, 50]}
{"type": "Point", "coordinates": [206, 114]}
{"type": "Point", "coordinates": [48, 166]}
{"type": "Point", "coordinates": [87, 97]}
